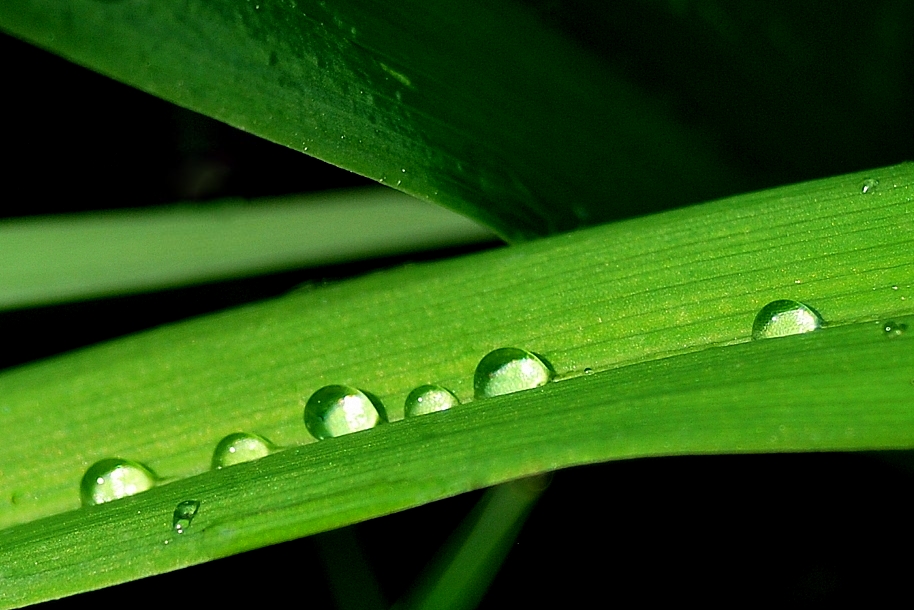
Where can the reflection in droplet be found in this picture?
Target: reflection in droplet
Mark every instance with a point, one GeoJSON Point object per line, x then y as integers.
{"type": "Point", "coordinates": [240, 447]}
{"type": "Point", "coordinates": [335, 410]}
{"type": "Point", "coordinates": [784, 317]}
{"type": "Point", "coordinates": [429, 399]}
{"type": "Point", "coordinates": [869, 186]}
{"type": "Point", "coordinates": [184, 513]}
{"type": "Point", "coordinates": [114, 478]}
{"type": "Point", "coordinates": [892, 329]}
{"type": "Point", "coordinates": [507, 370]}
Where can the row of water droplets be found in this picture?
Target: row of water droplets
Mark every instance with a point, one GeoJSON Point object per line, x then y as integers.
{"type": "Point", "coordinates": [331, 411]}
{"type": "Point", "coordinates": [336, 410]}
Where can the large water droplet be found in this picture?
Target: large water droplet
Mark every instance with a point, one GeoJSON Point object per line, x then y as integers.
{"type": "Point", "coordinates": [509, 369]}
{"type": "Point", "coordinates": [114, 478]}
{"type": "Point", "coordinates": [785, 317]}
{"type": "Point", "coordinates": [240, 447]}
{"type": "Point", "coordinates": [428, 399]}
{"type": "Point", "coordinates": [893, 329]}
{"type": "Point", "coordinates": [335, 410]}
{"type": "Point", "coordinates": [184, 513]}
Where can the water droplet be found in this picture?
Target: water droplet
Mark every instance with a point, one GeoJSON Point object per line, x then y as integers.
{"type": "Point", "coordinates": [507, 370]}
{"type": "Point", "coordinates": [114, 478]}
{"type": "Point", "coordinates": [240, 447]}
{"type": "Point", "coordinates": [869, 185]}
{"type": "Point", "coordinates": [403, 170]}
{"type": "Point", "coordinates": [893, 329]}
{"type": "Point", "coordinates": [785, 317]}
{"type": "Point", "coordinates": [588, 371]}
{"type": "Point", "coordinates": [184, 513]}
{"type": "Point", "coordinates": [428, 399]}
{"type": "Point", "coordinates": [335, 410]}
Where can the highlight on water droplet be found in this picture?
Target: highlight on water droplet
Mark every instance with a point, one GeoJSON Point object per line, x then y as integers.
{"type": "Point", "coordinates": [114, 478]}
{"type": "Point", "coordinates": [507, 370]}
{"type": "Point", "coordinates": [869, 186]}
{"type": "Point", "coordinates": [335, 410]}
{"type": "Point", "coordinates": [240, 447]}
{"type": "Point", "coordinates": [429, 399]}
{"type": "Point", "coordinates": [785, 317]}
{"type": "Point", "coordinates": [184, 513]}
{"type": "Point", "coordinates": [893, 329]}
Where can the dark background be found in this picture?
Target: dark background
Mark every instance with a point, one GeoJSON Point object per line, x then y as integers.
{"type": "Point", "coordinates": [787, 92]}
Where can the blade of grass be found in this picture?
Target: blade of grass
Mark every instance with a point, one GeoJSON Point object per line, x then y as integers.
{"type": "Point", "coordinates": [841, 389]}
{"type": "Point", "coordinates": [62, 258]}
{"type": "Point", "coordinates": [626, 294]}
{"type": "Point", "coordinates": [477, 106]}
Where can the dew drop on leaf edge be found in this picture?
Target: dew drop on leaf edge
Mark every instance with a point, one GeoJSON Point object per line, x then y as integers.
{"type": "Point", "coordinates": [112, 479]}
{"type": "Point", "coordinates": [869, 186]}
{"type": "Point", "coordinates": [335, 410]}
{"type": "Point", "coordinates": [183, 514]}
{"type": "Point", "coordinates": [784, 317]}
{"type": "Point", "coordinates": [238, 448]}
{"type": "Point", "coordinates": [429, 399]}
{"type": "Point", "coordinates": [509, 369]}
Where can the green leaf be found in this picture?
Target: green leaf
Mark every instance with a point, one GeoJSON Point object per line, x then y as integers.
{"type": "Point", "coordinates": [661, 308]}
{"type": "Point", "coordinates": [63, 258]}
{"type": "Point", "coordinates": [478, 106]}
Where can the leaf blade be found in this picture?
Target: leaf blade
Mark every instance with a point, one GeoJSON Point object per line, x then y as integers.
{"type": "Point", "coordinates": [65, 258]}
{"type": "Point", "coordinates": [526, 132]}
{"type": "Point", "coordinates": [685, 284]}
{"type": "Point", "coordinates": [777, 397]}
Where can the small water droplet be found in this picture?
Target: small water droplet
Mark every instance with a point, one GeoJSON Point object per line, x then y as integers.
{"type": "Point", "coordinates": [894, 287]}
{"type": "Point", "coordinates": [784, 317]}
{"type": "Point", "coordinates": [335, 410]}
{"type": "Point", "coordinates": [403, 170]}
{"type": "Point", "coordinates": [869, 185]}
{"type": "Point", "coordinates": [507, 370]}
{"type": "Point", "coordinates": [588, 371]}
{"type": "Point", "coordinates": [114, 478]}
{"type": "Point", "coordinates": [240, 447]}
{"type": "Point", "coordinates": [184, 513]}
{"type": "Point", "coordinates": [893, 329]}
{"type": "Point", "coordinates": [429, 399]}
